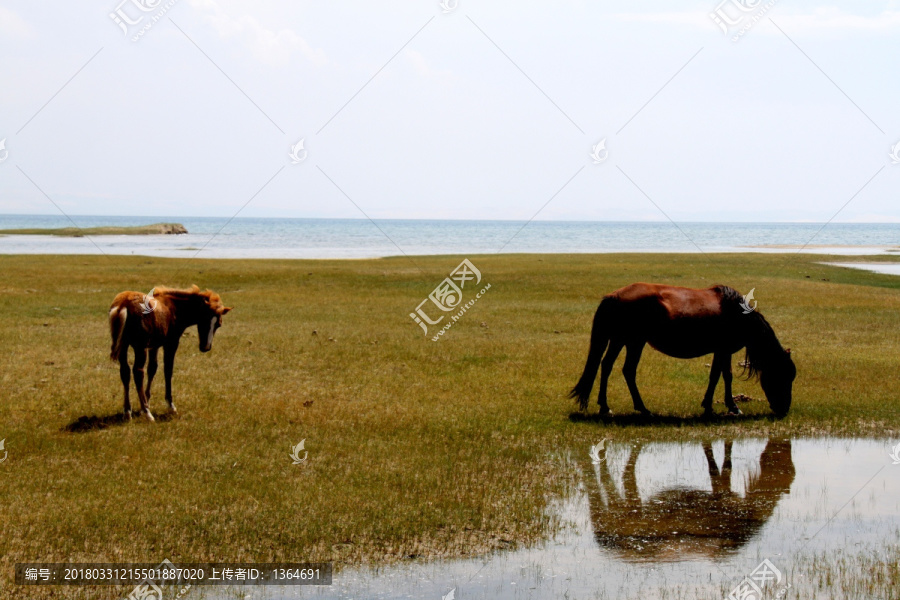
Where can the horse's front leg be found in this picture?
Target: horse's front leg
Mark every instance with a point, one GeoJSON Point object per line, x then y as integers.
{"type": "Point", "coordinates": [726, 377]}
{"type": "Point", "coordinates": [720, 479]}
{"type": "Point", "coordinates": [152, 366]}
{"type": "Point", "coordinates": [714, 372]}
{"type": "Point", "coordinates": [140, 358]}
{"type": "Point", "coordinates": [629, 370]}
{"type": "Point", "coordinates": [168, 366]}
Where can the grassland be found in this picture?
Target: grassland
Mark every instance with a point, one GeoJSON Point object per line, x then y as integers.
{"type": "Point", "coordinates": [416, 448]}
{"type": "Point", "coordinates": [154, 229]}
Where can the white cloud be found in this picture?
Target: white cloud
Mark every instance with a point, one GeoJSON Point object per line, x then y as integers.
{"type": "Point", "coordinates": [424, 69]}
{"type": "Point", "coordinates": [12, 25]}
{"type": "Point", "coordinates": [822, 19]}
{"type": "Point", "coordinates": [677, 18]}
{"type": "Point", "coordinates": [274, 48]}
{"type": "Point", "coordinates": [834, 19]}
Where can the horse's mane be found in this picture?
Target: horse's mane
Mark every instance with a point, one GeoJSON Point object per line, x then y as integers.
{"type": "Point", "coordinates": [193, 291]}
{"type": "Point", "coordinates": [761, 339]}
{"type": "Point", "coordinates": [161, 289]}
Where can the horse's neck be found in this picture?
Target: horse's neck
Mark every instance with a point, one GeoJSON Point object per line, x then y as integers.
{"type": "Point", "coordinates": [184, 313]}
{"type": "Point", "coordinates": [762, 337]}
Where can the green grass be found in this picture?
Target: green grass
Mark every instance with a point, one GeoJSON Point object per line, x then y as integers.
{"type": "Point", "coordinates": [155, 229]}
{"type": "Point", "coordinates": [416, 448]}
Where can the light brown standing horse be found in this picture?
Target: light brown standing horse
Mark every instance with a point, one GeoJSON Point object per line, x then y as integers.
{"type": "Point", "coordinates": [146, 322]}
{"type": "Point", "coordinates": [685, 323]}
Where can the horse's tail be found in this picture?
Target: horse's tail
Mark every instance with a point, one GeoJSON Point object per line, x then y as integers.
{"type": "Point", "coordinates": [599, 340]}
{"type": "Point", "coordinates": [117, 316]}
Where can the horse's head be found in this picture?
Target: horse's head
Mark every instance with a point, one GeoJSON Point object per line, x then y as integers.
{"type": "Point", "coordinates": [776, 380]}
{"type": "Point", "coordinates": [209, 318]}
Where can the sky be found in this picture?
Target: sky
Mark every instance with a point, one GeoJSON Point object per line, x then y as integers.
{"type": "Point", "coordinates": [788, 111]}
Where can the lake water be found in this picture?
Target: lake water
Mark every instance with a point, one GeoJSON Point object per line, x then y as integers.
{"type": "Point", "coordinates": [357, 238]}
{"type": "Point", "coordinates": [679, 520]}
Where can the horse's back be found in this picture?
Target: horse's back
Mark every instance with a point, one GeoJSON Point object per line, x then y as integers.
{"type": "Point", "coordinates": [674, 301]}
{"type": "Point", "coordinates": [678, 321]}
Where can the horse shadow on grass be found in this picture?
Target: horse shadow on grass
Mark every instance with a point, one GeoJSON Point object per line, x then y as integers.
{"type": "Point", "coordinates": [85, 423]}
{"type": "Point", "coordinates": [639, 420]}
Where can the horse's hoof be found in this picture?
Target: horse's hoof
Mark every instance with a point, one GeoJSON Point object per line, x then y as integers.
{"type": "Point", "coordinates": [127, 415]}
{"type": "Point", "coordinates": [149, 416]}
{"type": "Point", "coordinates": [734, 412]}
{"type": "Point", "coordinates": [645, 413]}
{"type": "Point", "coordinates": [606, 413]}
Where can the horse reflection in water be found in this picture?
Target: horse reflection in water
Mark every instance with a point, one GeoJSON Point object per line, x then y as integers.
{"type": "Point", "coordinates": [687, 524]}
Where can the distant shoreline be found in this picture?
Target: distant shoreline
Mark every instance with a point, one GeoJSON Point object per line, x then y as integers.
{"type": "Point", "coordinates": [251, 237]}
{"type": "Point", "coordinates": [154, 229]}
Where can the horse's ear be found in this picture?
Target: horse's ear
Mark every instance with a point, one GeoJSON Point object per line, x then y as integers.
{"type": "Point", "coordinates": [195, 288]}
{"type": "Point", "coordinates": [227, 310]}
{"type": "Point", "coordinates": [788, 351]}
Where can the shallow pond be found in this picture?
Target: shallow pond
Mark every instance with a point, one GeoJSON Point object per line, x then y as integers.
{"type": "Point", "coordinates": [883, 268]}
{"type": "Point", "coordinates": [682, 520]}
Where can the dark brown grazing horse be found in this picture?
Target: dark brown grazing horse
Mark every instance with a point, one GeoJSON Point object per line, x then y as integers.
{"type": "Point", "coordinates": [146, 322]}
{"type": "Point", "coordinates": [685, 323]}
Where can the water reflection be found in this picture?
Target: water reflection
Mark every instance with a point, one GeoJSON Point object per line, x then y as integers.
{"type": "Point", "coordinates": [680, 521]}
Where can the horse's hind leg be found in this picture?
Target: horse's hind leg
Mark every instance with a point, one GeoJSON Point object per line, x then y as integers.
{"type": "Point", "coordinates": [125, 375]}
{"type": "Point", "coordinates": [629, 370]}
{"type": "Point", "coordinates": [140, 358]}
{"type": "Point", "coordinates": [152, 366]}
{"type": "Point", "coordinates": [606, 365]}
{"type": "Point", "coordinates": [714, 372]}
